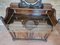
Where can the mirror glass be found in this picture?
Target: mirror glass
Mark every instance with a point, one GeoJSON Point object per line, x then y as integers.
{"type": "Point", "coordinates": [31, 1]}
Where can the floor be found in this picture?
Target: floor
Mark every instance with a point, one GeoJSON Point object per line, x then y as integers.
{"type": "Point", "coordinates": [6, 39]}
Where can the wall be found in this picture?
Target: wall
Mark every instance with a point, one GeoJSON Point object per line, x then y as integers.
{"type": "Point", "coordinates": [5, 3]}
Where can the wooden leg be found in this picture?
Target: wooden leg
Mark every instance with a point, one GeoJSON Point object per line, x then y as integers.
{"type": "Point", "coordinates": [52, 18]}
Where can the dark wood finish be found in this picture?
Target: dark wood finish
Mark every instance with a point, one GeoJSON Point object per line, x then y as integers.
{"type": "Point", "coordinates": [15, 10]}
{"type": "Point", "coordinates": [9, 12]}
{"type": "Point", "coordinates": [52, 17]}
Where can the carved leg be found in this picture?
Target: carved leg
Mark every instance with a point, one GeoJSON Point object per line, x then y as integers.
{"type": "Point", "coordinates": [9, 15]}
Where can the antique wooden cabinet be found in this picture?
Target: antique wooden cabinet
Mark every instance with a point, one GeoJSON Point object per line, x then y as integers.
{"type": "Point", "coordinates": [17, 16]}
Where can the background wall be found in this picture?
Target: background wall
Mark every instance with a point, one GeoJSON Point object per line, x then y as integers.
{"type": "Point", "coordinates": [5, 3]}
